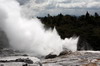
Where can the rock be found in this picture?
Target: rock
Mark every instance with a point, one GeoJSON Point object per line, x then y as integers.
{"type": "Point", "coordinates": [25, 64]}
{"type": "Point", "coordinates": [20, 61]}
{"type": "Point", "coordinates": [27, 60]}
{"type": "Point", "coordinates": [78, 58]}
{"type": "Point", "coordinates": [65, 53]}
{"type": "Point", "coordinates": [50, 56]}
{"type": "Point", "coordinates": [90, 64]}
{"type": "Point", "coordinates": [24, 55]}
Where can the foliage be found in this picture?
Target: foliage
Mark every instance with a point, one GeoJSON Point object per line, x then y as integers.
{"type": "Point", "coordinates": [86, 26]}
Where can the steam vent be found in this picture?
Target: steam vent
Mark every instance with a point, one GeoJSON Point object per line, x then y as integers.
{"type": "Point", "coordinates": [49, 33]}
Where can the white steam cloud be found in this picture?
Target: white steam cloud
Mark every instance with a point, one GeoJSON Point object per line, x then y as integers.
{"type": "Point", "coordinates": [29, 35]}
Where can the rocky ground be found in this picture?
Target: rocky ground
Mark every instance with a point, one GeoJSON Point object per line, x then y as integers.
{"type": "Point", "coordinates": [79, 58]}
{"type": "Point", "coordinates": [75, 59]}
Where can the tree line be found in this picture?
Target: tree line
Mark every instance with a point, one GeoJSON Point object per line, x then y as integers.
{"type": "Point", "coordinates": [86, 26]}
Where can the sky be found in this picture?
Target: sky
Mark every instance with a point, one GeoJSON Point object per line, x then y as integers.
{"type": "Point", "coordinates": [54, 7]}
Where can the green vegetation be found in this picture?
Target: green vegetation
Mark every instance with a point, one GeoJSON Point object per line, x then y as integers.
{"type": "Point", "coordinates": [86, 26]}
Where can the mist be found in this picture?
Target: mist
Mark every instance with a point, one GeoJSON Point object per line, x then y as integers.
{"type": "Point", "coordinates": [29, 35]}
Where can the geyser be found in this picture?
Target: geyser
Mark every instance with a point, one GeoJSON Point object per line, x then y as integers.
{"type": "Point", "coordinates": [29, 35]}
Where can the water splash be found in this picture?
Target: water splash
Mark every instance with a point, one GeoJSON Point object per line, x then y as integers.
{"type": "Point", "coordinates": [29, 35]}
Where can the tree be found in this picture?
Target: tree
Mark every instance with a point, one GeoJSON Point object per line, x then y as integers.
{"type": "Point", "coordinates": [86, 26]}
{"type": "Point", "coordinates": [87, 15]}
{"type": "Point", "coordinates": [96, 14]}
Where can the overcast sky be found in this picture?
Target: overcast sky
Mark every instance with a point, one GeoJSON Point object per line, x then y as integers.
{"type": "Point", "coordinates": [54, 7]}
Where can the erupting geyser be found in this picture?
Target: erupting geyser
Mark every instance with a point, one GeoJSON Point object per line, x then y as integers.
{"type": "Point", "coordinates": [29, 35]}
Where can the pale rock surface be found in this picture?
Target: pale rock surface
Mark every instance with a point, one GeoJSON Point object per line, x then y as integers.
{"type": "Point", "coordinates": [79, 58]}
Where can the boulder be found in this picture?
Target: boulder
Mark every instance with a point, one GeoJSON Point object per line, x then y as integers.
{"type": "Point", "coordinates": [50, 56]}
{"type": "Point", "coordinates": [65, 53]}
{"type": "Point", "coordinates": [27, 60]}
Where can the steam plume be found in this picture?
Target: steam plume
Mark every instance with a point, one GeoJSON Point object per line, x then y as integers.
{"type": "Point", "coordinates": [29, 35]}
